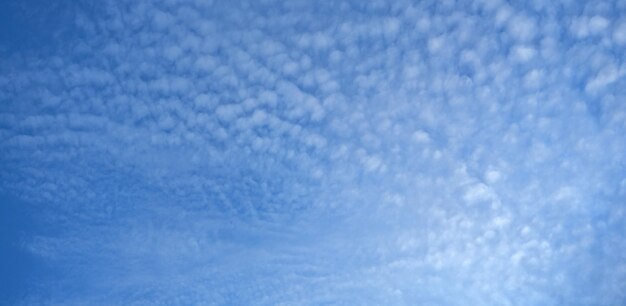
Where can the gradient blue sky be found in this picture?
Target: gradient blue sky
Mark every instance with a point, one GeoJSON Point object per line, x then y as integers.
{"type": "Point", "coordinates": [313, 152]}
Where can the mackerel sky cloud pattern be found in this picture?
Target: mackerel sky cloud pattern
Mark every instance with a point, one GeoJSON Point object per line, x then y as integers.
{"type": "Point", "coordinates": [313, 153]}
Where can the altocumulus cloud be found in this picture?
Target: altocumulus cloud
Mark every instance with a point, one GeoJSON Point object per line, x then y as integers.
{"type": "Point", "coordinates": [305, 153]}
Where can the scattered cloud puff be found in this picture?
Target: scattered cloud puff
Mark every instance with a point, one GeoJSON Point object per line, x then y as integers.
{"type": "Point", "coordinates": [394, 153]}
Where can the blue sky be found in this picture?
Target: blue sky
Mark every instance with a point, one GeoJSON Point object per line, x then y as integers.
{"type": "Point", "coordinates": [313, 153]}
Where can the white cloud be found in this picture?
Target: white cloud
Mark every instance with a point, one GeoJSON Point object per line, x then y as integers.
{"type": "Point", "coordinates": [492, 176]}
{"type": "Point", "coordinates": [392, 27]}
{"type": "Point", "coordinates": [477, 193]}
{"type": "Point", "coordinates": [522, 28]}
{"type": "Point", "coordinates": [598, 24]}
{"type": "Point", "coordinates": [619, 33]}
{"type": "Point", "coordinates": [421, 136]}
{"type": "Point", "coordinates": [605, 77]}
{"type": "Point", "coordinates": [228, 112]}
{"type": "Point", "coordinates": [523, 53]}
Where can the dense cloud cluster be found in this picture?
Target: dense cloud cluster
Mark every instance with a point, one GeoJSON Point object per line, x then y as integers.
{"type": "Point", "coordinates": [298, 152]}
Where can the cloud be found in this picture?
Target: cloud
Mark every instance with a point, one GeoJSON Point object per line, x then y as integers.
{"type": "Point", "coordinates": [338, 153]}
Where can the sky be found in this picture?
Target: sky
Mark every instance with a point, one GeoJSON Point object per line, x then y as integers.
{"type": "Point", "coordinates": [313, 152]}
